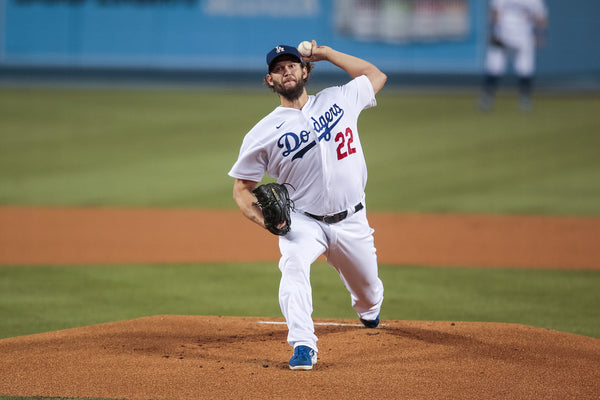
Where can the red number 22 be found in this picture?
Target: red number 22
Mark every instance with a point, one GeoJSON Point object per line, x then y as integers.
{"type": "Point", "coordinates": [341, 149]}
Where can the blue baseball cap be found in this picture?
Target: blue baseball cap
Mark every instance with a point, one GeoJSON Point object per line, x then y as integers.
{"type": "Point", "coordinates": [281, 50]}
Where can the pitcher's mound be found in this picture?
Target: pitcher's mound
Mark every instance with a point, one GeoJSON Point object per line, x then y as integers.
{"type": "Point", "coordinates": [190, 357]}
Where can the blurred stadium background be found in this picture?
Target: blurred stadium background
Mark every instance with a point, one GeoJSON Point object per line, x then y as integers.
{"type": "Point", "coordinates": [223, 42]}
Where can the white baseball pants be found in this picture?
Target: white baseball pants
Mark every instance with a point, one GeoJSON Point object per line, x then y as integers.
{"type": "Point", "coordinates": [349, 248]}
{"type": "Point", "coordinates": [520, 49]}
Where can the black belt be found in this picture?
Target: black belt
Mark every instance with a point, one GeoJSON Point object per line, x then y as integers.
{"type": "Point", "coordinates": [332, 219]}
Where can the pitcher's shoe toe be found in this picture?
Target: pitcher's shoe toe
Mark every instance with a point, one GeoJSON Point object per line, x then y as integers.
{"type": "Point", "coordinates": [303, 359]}
{"type": "Point", "coordinates": [372, 323]}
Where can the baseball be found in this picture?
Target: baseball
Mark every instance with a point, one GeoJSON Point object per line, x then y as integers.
{"type": "Point", "coordinates": [305, 48]}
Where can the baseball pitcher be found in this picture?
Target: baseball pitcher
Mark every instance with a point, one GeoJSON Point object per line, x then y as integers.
{"type": "Point", "coordinates": [310, 144]}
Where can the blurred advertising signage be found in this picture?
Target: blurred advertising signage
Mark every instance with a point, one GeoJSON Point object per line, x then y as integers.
{"type": "Point", "coordinates": [266, 8]}
{"type": "Point", "coordinates": [402, 21]}
{"type": "Point", "coordinates": [107, 2]}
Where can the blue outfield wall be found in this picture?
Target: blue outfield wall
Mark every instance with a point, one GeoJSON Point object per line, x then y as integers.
{"type": "Point", "coordinates": [213, 34]}
{"type": "Point", "coordinates": [236, 34]}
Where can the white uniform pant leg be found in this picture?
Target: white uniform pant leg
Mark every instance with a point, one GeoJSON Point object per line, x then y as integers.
{"type": "Point", "coordinates": [495, 61]}
{"type": "Point", "coordinates": [352, 253]}
{"type": "Point", "coordinates": [522, 46]}
{"type": "Point", "coordinates": [525, 60]}
{"type": "Point", "coordinates": [299, 249]}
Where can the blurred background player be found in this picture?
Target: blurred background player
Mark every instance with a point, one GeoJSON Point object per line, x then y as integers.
{"type": "Point", "coordinates": [517, 28]}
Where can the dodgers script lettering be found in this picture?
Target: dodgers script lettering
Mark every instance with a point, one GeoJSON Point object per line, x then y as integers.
{"type": "Point", "coordinates": [322, 125]}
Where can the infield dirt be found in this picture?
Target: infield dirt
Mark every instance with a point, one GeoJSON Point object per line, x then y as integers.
{"type": "Point", "coordinates": [198, 357]}
{"type": "Point", "coordinates": [60, 236]}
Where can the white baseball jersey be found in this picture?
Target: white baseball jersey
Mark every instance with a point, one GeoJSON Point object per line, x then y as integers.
{"type": "Point", "coordinates": [516, 17]}
{"type": "Point", "coordinates": [316, 149]}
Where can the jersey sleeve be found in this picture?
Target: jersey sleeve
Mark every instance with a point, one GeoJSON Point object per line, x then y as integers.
{"type": "Point", "coordinates": [251, 164]}
{"type": "Point", "coordinates": [359, 92]}
{"type": "Point", "coordinates": [540, 9]}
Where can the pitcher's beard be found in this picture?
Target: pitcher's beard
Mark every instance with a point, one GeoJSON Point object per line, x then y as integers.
{"type": "Point", "coordinates": [292, 93]}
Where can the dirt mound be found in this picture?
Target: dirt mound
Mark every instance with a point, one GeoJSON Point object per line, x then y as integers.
{"type": "Point", "coordinates": [191, 357]}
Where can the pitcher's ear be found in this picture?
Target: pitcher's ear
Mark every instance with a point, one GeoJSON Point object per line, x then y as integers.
{"type": "Point", "coordinates": [269, 80]}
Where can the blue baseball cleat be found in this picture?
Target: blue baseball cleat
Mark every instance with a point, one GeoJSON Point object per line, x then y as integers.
{"type": "Point", "coordinates": [303, 359]}
{"type": "Point", "coordinates": [374, 323]}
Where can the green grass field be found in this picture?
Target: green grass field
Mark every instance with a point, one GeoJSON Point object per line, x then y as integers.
{"type": "Point", "coordinates": [41, 299]}
{"type": "Point", "coordinates": [427, 152]}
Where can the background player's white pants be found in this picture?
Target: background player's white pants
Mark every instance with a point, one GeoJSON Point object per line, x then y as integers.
{"type": "Point", "coordinates": [522, 49]}
{"type": "Point", "coordinates": [349, 248]}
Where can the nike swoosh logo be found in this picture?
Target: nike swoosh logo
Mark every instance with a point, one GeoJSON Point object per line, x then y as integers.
{"type": "Point", "coordinates": [280, 125]}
